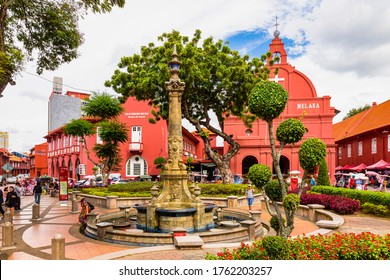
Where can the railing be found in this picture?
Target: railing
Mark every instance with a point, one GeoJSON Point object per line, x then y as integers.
{"type": "Point", "coordinates": [136, 146]}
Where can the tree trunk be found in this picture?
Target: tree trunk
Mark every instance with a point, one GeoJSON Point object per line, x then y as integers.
{"type": "Point", "coordinates": [285, 226]}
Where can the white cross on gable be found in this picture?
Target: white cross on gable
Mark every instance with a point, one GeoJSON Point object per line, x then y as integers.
{"type": "Point", "coordinates": [277, 79]}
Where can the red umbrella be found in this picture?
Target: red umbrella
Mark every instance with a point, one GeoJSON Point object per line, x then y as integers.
{"type": "Point", "coordinates": [339, 168]}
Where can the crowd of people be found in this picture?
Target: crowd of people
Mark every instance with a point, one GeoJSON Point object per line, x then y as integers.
{"type": "Point", "coordinates": [363, 181]}
{"type": "Point", "coordinates": [10, 196]}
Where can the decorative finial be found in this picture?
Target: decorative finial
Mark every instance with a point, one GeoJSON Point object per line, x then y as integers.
{"type": "Point", "coordinates": [174, 64]}
{"type": "Point", "coordinates": [276, 32]}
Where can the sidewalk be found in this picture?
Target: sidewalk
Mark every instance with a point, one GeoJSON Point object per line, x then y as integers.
{"type": "Point", "coordinates": [33, 239]}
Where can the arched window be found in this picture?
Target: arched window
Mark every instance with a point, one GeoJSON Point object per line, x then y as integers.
{"type": "Point", "coordinates": [136, 166]}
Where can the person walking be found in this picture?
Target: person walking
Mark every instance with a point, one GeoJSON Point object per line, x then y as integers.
{"type": "Point", "coordinates": [250, 195]}
{"type": "Point", "coordinates": [11, 200]}
{"type": "Point", "coordinates": [18, 193]}
{"type": "Point", "coordinates": [37, 191]}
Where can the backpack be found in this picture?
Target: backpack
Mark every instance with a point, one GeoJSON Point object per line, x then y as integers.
{"type": "Point", "coordinates": [91, 207]}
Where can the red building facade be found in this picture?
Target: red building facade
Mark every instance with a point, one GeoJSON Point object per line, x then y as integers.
{"type": "Point", "coordinates": [365, 137]}
{"type": "Point", "coordinates": [315, 112]}
{"type": "Point", "coordinates": [146, 142]}
{"type": "Point", "coordinates": [38, 160]}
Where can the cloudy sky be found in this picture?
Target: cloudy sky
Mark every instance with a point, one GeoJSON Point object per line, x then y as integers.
{"type": "Point", "coordinates": [342, 46]}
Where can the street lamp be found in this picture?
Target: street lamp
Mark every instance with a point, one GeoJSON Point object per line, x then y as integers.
{"type": "Point", "coordinates": [174, 64]}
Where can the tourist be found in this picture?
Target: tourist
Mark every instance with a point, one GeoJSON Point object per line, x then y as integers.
{"type": "Point", "coordinates": [17, 191]}
{"type": "Point", "coordinates": [11, 200]}
{"type": "Point", "coordinates": [37, 191]}
{"type": "Point", "coordinates": [84, 211]}
{"type": "Point", "coordinates": [351, 183]}
{"type": "Point", "coordinates": [249, 194]}
{"type": "Point", "coordinates": [312, 181]}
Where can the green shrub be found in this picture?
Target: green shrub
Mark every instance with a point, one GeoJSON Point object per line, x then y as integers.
{"type": "Point", "coordinates": [378, 210]}
{"type": "Point", "coordinates": [374, 197]}
{"type": "Point", "coordinates": [323, 176]}
{"type": "Point", "coordinates": [275, 224]}
{"type": "Point", "coordinates": [291, 202]}
{"type": "Point", "coordinates": [290, 131]}
{"type": "Point", "coordinates": [273, 191]}
{"type": "Point", "coordinates": [142, 189]}
{"type": "Point", "coordinates": [267, 100]}
{"type": "Point", "coordinates": [276, 247]}
{"type": "Point", "coordinates": [259, 174]}
{"type": "Point", "coordinates": [311, 152]}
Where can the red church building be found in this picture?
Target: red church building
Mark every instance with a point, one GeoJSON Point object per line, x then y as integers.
{"type": "Point", "coordinates": [315, 112]}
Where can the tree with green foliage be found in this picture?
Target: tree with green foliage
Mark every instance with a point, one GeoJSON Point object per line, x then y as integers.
{"type": "Point", "coordinates": [218, 81]}
{"type": "Point", "coordinates": [267, 101]}
{"type": "Point", "coordinates": [311, 153]}
{"type": "Point", "coordinates": [355, 111]}
{"type": "Point", "coordinates": [42, 28]}
{"type": "Point", "coordinates": [102, 111]}
{"type": "Point", "coordinates": [160, 162]}
{"type": "Point", "coordinates": [189, 162]}
{"type": "Point", "coordinates": [323, 176]}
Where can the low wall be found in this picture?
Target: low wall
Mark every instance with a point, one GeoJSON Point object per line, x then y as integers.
{"type": "Point", "coordinates": [311, 212]}
{"type": "Point", "coordinates": [116, 202]}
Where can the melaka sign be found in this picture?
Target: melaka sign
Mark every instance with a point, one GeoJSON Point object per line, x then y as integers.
{"type": "Point", "coordinates": [308, 106]}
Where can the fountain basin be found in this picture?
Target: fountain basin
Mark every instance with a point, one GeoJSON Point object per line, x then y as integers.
{"type": "Point", "coordinates": [176, 212]}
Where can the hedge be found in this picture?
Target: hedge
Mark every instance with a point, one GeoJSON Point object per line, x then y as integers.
{"type": "Point", "coordinates": [374, 197]}
{"type": "Point", "coordinates": [138, 189]}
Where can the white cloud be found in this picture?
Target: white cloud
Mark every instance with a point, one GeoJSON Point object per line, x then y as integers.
{"type": "Point", "coordinates": [348, 55]}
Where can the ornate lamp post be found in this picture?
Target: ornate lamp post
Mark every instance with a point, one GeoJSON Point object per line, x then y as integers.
{"type": "Point", "coordinates": [175, 206]}
{"type": "Point", "coordinates": [175, 88]}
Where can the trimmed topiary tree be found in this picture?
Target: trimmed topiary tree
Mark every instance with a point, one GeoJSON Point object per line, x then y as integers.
{"type": "Point", "coordinates": [312, 151]}
{"type": "Point", "coordinates": [259, 175]}
{"type": "Point", "coordinates": [267, 101]}
{"type": "Point", "coordinates": [160, 162]}
{"type": "Point", "coordinates": [323, 176]}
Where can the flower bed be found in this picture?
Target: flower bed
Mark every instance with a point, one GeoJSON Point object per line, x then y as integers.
{"type": "Point", "coordinates": [348, 246]}
{"type": "Point", "coordinates": [339, 204]}
{"type": "Point", "coordinates": [377, 198]}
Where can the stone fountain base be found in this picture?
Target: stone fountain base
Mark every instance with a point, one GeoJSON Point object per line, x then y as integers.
{"type": "Point", "coordinates": [102, 228]}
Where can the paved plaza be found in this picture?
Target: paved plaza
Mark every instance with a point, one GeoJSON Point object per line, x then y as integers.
{"type": "Point", "coordinates": [33, 238]}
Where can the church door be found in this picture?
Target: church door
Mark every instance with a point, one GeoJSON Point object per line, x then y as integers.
{"type": "Point", "coordinates": [247, 162]}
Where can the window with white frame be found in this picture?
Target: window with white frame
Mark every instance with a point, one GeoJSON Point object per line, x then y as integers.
{"type": "Point", "coordinates": [373, 146]}
{"type": "Point", "coordinates": [136, 137]}
{"type": "Point", "coordinates": [136, 166]}
{"type": "Point", "coordinates": [66, 141]}
{"type": "Point", "coordinates": [349, 150]}
{"type": "Point", "coordinates": [340, 152]}
{"type": "Point", "coordinates": [98, 139]}
{"type": "Point", "coordinates": [360, 148]}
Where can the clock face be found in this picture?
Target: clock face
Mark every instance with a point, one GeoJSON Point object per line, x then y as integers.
{"type": "Point", "coordinates": [276, 57]}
